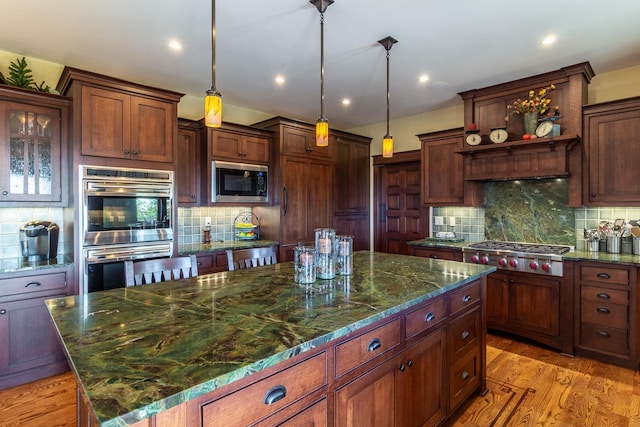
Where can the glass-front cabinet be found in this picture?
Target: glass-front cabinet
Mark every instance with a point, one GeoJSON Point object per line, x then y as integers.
{"type": "Point", "coordinates": [31, 135]}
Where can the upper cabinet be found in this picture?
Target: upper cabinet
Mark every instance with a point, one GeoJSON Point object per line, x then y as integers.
{"type": "Point", "coordinates": [443, 181]}
{"type": "Point", "coordinates": [33, 141]}
{"type": "Point", "coordinates": [120, 120]}
{"type": "Point", "coordinates": [612, 135]}
{"type": "Point", "coordinates": [187, 153]}
{"type": "Point", "coordinates": [238, 143]}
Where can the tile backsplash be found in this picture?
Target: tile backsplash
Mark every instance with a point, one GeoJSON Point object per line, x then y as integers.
{"type": "Point", "coordinates": [191, 222]}
{"type": "Point", "coordinates": [12, 219]}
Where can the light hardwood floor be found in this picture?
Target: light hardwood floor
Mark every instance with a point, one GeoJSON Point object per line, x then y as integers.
{"type": "Point", "coordinates": [528, 386]}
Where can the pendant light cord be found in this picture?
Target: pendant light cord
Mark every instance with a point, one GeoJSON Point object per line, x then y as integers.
{"type": "Point", "coordinates": [321, 64]}
{"type": "Point", "coordinates": [213, 45]}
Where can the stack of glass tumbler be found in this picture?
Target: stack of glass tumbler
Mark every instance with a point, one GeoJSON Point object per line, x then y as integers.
{"type": "Point", "coordinates": [332, 254]}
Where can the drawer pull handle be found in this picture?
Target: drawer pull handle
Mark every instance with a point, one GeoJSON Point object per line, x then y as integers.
{"type": "Point", "coordinates": [464, 375]}
{"type": "Point", "coordinates": [3, 311]}
{"type": "Point", "coordinates": [429, 317]}
{"type": "Point", "coordinates": [32, 284]}
{"type": "Point", "coordinates": [604, 276]}
{"type": "Point", "coordinates": [603, 333]}
{"type": "Point", "coordinates": [374, 345]}
{"type": "Point", "coordinates": [466, 298]}
{"type": "Point", "coordinates": [276, 393]}
{"type": "Point", "coordinates": [603, 310]}
{"type": "Point", "coordinates": [602, 295]}
{"type": "Point", "coordinates": [465, 335]}
{"type": "Point", "coordinates": [433, 256]}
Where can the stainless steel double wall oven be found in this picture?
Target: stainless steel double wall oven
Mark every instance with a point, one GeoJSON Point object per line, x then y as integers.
{"type": "Point", "coordinates": [125, 215]}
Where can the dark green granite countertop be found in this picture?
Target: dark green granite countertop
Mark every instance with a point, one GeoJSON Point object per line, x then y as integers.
{"type": "Point", "coordinates": [10, 265]}
{"type": "Point", "coordinates": [627, 259]}
{"type": "Point", "coordinates": [137, 351]}
{"type": "Point", "coordinates": [222, 245]}
{"type": "Point", "coordinates": [439, 243]}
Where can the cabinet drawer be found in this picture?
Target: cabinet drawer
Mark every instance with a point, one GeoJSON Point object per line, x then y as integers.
{"type": "Point", "coordinates": [36, 283]}
{"type": "Point", "coordinates": [464, 377]}
{"type": "Point", "coordinates": [604, 274]}
{"type": "Point", "coordinates": [465, 297]}
{"type": "Point", "coordinates": [426, 317]}
{"type": "Point", "coordinates": [612, 315]}
{"type": "Point", "coordinates": [604, 338]}
{"type": "Point", "coordinates": [365, 347]}
{"type": "Point", "coordinates": [250, 404]}
{"type": "Point", "coordinates": [205, 263]}
{"type": "Point", "coordinates": [613, 296]}
{"type": "Point", "coordinates": [464, 333]}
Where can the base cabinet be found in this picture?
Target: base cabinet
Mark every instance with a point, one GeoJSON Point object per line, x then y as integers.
{"type": "Point", "coordinates": [531, 306]}
{"type": "Point", "coordinates": [435, 252]}
{"type": "Point", "coordinates": [29, 345]}
{"type": "Point", "coordinates": [606, 313]}
{"type": "Point", "coordinates": [212, 262]}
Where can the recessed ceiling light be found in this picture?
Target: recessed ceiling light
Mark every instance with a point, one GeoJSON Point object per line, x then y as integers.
{"type": "Point", "coordinates": [280, 79]}
{"type": "Point", "coordinates": [346, 101]}
{"type": "Point", "coordinates": [423, 78]}
{"type": "Point", "coordinates": [175, 44]}
{"type": "Point", "coordinates": [548, 40]}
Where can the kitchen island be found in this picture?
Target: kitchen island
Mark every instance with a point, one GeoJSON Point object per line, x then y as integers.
{"type": "Point", "coordinates": [174, 353]}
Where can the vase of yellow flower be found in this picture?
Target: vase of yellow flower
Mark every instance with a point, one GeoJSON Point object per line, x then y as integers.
{"type": "Point", "coordinates": [530, 108]}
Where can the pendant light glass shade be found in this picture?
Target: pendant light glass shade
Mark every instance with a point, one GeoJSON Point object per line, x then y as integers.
{"type": "Point", "coordinates": [322, 124]}
{"type": "Point", "coordinates": [322, 132]}
{"type": "Point", "coordinates": [213, 99]}
{"type": "Point", "coordinates": [213, 109]}
{"type": "Point", "coordinates": [387, 146]}
{"type": "Point", "coordinates": [387, 141]}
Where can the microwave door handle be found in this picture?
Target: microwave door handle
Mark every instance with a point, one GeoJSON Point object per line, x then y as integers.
{"type": "Point", "coordinates": [285, 205]}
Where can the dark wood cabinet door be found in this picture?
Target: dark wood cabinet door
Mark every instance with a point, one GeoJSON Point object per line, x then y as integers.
{"type": "Point", "coordinates": [28, 338]}
{"type": "Point", "coordinates": [369, 400]}
{"type": "Point", "coordinates": [420, 380]}
{"type": "Point", "coordinates": [356, 225]}
{"type": "Point", "coordinates": [152, 129]}
{"type": "Point", "coordinates": [256, 149]}
{"type": "Point", "coordinates": [611, 135]}
{"type": "Point", "coordinates": [443, 182]}
{"type": "Point", "coordinates": [314, 416]}
{"type": "Point", "coordinates": [535, 304]}
{"type": "Point", "coordinates": [187, 168]}
{"type": "Point", "coordinates": [352, 165]}
{"type": "Point", "coordinates": [497, 300]}
{"type": "Point", "coordinates": [297, 140]}
{"type": "Point", "coordinates": [106, 123]}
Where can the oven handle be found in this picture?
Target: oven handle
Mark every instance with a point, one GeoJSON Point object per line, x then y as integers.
{"type": "Point", "coordinates": [121, 189]}
{"type": "Point", "coordinates": [106, 254]}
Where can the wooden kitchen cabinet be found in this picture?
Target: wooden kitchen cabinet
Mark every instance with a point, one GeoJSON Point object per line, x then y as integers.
{"type": "Point", "coordinates": [435, 252]}
{"type": "Point", "coordinates": [351, 193]}
{"type": "Point", "coordinates": [29, 345]}
{"type": "Point", "coordinates": [187, 165]}
{"type": "Point", "coordinates": [237, 143]}
{"type": "Point", "coordinates": [35, 130]}
{"type": "Point", "coordinates": [442, 170]}
{"type": "Point", "coordinates": [606, 307]}
{"type": "Point", "coordinates": [212, 262]}
{"type": "Point", "coordinates": [536, 307]}
{"type": "Point", "coordinates": [610, 146]}
{"type": "Point", "coordinates": [121, 120]}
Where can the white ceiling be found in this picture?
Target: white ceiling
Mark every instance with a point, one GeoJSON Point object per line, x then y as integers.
{"type": "Point", "coordinates": [460, 44]}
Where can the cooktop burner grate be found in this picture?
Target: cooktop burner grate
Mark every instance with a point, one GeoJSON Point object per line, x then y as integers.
{"type": "Point", "coordinates": [531, 248]}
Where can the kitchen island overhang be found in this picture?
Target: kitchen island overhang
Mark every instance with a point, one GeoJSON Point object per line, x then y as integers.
{"type": "Point", "coordinates": [139, 351]}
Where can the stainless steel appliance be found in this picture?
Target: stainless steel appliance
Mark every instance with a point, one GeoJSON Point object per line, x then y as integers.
{"type": "Point", "coordinates": [39, 240]}
{"type": "Point", "coordinates": [125, 215]}
{"type": "Point", "coordinates": [515, 256]}
{"type": "Point", "coordinates": [239, 182]}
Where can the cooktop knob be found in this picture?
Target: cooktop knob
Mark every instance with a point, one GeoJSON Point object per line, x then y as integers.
{"type": "Point", "coordinates": [502, 262]}
{"type": "Point", "coordinates": [484, 259]}
{"type": "Point", "coordinates": [513, 262]}
{"type": "Point", "coordinates": [533, 265]}
{"type": "Point", "coordinates": [475, 258]}
{"type": "Point", "coordinates": [546, 266]}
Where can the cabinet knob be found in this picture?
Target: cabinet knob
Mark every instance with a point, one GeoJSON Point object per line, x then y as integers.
{"type": "Point", "coordinates": [464, 335]}
{"type": "Point", "coordinates": [429, 317]}
{"type": "Point", "coordinates": [126, 151]}
{"type": "Point", "coordinates": [466, 298]}
{"type": "Point", "coordinates": [409, 363]}
{"type": "Point", "coordinates": [433, 256]}
{"type": "Point", "coordinates": [5, 193]}
{"type": "Point", "coordinates": [3, 311]}
{"type": "Point", "coordinates": [402, 368]}
{"type": "Point", "coordinates": [464, 375]}
{"type": "Point", "coordinates": [593, 195]}
{"type": "Point", "coordinates": [135, 152]}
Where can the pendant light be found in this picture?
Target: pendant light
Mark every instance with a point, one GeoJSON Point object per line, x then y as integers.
{"type": "Point", "coordinates": [387, 141]}
{"type": "Point", "coordinates": [322, 124]}
{"type": "Point", "coordinates": [213, 100]}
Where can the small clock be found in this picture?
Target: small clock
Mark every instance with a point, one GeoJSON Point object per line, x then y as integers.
{"type": "Point", "coordinates": [544, 129]}
{"type": "Point", "coordinates": [474, 138]}
{"type": "Point", "coordinates": [498, 135]}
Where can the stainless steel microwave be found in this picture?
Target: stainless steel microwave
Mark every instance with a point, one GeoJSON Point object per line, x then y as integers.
{"type": "Point", "coordinates": [239, 182]}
